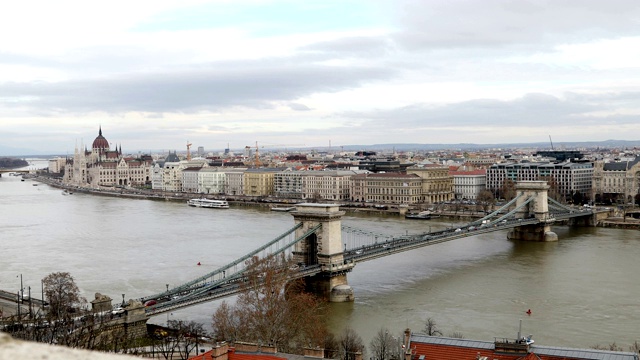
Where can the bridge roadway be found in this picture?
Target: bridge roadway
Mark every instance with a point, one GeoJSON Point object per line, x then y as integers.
{"type": "Point", "coordinates": [181, 297]}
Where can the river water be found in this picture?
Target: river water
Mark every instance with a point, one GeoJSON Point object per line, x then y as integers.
{"type": "Point", "coordinates": [583, 290]}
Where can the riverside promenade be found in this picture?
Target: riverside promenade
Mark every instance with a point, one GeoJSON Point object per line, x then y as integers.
{"type": "Point", "coordinates": [465, 214]}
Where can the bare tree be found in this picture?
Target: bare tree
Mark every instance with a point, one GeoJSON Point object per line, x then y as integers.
{"type": "Point", "coordinates": [430, 328]}
{"type": "Point", "coordinates": [331, 346]}
{"type": "Point", "coordinates": [165, 343]}
{"type": "Point", "coordinates": [62, 293]}
{"type": "Point", "coordinates": [456, 335]}
{"type": "Point", "coordinates": [383, 346]}
{"type": "Point", "coordinates": [485, 199]}
{"type": "Point", "coordinates": [272, 309]}
{"type": "Point", "coordinates": [457, 206]}
{"type": "Point", "coordinates": [508, 190]}
{"type": "Point", "coordinates": [350, 344]}
{"type": "Point", "coordinates": [189, 336]}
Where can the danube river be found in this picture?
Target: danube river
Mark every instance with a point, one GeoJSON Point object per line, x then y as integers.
{"type": "Point", "coordinates": [582, 290]}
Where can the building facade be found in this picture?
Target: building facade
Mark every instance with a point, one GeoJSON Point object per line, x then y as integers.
{"type": "Point", "coordinates": [105, 167]}
{"type": "Point", "coordinates": [288, 184]}
{"type": "Point", "coordinates": [566, 178]}
{"type": "Point", "coordinates": [211, 181]}
{"type": "Point", "coordinates": [190, 179]}
{"type": "Point", "coordinates": [616, 182]}
{"type": "Point", "coordinates": [386, 188]}
{"type": "Point", "coordinates": [259, 182]}
{"type": "Point", "coordinates": [437, 183]}
{"type": "Point", "coordinates": [468, 184]}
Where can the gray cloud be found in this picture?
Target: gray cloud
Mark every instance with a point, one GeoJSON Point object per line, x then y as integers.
{"type": "Point", "coordinates": [530, 110]}
{"type": "Point", "coordinates": [499, 23]}
{"type": "Point", "coordinates": [299, 107]}
{"type": "Point", "coordinates": [210, 87]}
{"type": "Point", "coordinates": [351, 47]}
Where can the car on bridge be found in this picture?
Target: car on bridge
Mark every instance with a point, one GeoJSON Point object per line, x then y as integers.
{"type": "Point", "coordinates": [117, 311]}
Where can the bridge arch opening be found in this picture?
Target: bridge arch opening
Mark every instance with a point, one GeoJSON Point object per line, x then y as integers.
{"type": "Point", "coordinates": [311, 255]}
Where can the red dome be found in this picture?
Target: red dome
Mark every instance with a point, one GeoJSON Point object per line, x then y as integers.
{"type": "Point", "coordinates": [100, 142]}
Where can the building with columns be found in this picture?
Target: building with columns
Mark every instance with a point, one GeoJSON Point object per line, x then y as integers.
{"type": "Point", "coordinates": [616, 181]}
{"type": "Point", "coordinates": [437, 183]}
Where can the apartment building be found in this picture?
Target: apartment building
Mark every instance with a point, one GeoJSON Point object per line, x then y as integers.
{"type": "Point", "coordinates": [567, 177]}
{"type": "Point", "coordinates": [211, 181]}
{"type": "Point", "coordinates": [260, 181]}
{"type": "Point", "coordinates": [327, 185]}
{"type": "Point", "coordinates": [190, 179]}
{"type": "Point", "coordinates": [234, 181]}
{"type": "Point", "coordinates": [288, 184]}
{"type": "Point", "coordinates": [387, 188]}
{"type": "Point", "coordinates": [468, 184]}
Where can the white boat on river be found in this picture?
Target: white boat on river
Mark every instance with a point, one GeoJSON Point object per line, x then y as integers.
{"type": "Point", "coordinates": [208, 203]}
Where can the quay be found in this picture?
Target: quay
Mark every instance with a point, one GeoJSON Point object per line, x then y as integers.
{"type": "Point", "coordinates": [465, 214]}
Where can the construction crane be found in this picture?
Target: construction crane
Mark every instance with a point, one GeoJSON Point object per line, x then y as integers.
{"type": "Point", "coordinates": [256, 157]}
{"type": "Point", "coordinates": [189, 150]}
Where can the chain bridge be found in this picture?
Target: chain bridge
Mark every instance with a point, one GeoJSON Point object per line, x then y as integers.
{"type": "Point", "coordinates": [324, 250]}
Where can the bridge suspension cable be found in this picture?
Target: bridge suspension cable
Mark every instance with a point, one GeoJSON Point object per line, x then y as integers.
{"type": "Point", "coordinates": [227, 270]}
{"type": "Point", "coordinates": [559, 205]}
{"type": "Point", "coordinates": [226, 285]}
{"type": "Point", "coordinates": [353, 238]}
{"type": "Point", "coordinates": [496, 212]}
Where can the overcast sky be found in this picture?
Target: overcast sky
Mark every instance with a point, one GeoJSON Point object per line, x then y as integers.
{"type": "Point", "coordinates": [158, 74]}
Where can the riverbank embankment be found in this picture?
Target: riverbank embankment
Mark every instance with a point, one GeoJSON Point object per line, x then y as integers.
{"type": "Point", "coordinates": [249, 201]}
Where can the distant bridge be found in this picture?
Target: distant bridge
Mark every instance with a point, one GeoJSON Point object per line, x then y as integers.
{"type": "Point", "coordinates": [325, 250]}
{"type": "Point", "coordinates": [4, 171]}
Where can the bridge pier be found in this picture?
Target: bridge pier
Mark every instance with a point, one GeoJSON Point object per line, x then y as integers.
{"type": "Point", "coordinates": [323, 248]}
{"type": "Point", "coordinates": [538, 208]}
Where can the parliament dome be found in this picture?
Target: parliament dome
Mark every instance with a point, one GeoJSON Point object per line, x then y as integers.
{"type": "Point", "coordinates": [100, 142]}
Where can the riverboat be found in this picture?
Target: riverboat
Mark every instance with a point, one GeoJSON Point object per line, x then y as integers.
{"type": "Point", "coordinates": [208, 203]}
{"type": "Point", "coordinates": [423, 215]}
{"type": "Point", "coordinates": [283, 208]}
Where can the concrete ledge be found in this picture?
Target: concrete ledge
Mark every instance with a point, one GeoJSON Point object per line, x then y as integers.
{"type": "Point", "coordinates": [11, 349]}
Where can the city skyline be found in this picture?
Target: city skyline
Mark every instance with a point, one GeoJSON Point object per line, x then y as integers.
{"type": "Point", "coordinates": [161, 74]}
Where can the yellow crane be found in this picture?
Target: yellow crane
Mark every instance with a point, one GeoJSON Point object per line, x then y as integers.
{"type": "Point", "coordinates": [188, 150]}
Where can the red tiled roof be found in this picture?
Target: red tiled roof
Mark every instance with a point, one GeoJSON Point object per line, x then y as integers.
{"type": "Point", "coordinates": [239, 356]}
{"type": "Point", "coordinates": [451, 352]}
{"type": "Point", "coordinates": [447, 352]}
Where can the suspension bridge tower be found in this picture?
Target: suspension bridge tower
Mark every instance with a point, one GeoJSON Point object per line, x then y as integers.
{"type": "Point", "coordinates": [538, 207]}
{"type": "Point", "coordinates": [323, 248]}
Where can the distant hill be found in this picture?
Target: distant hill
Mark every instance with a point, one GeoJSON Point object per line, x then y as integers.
{"type": "Point", "coordinates": [12, 163]}
{"type": "Point", "coordinates": [607, 144]}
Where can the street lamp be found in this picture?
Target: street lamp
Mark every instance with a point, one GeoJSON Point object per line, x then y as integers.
{"type": "Point", "coordinates": [21, 289]}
